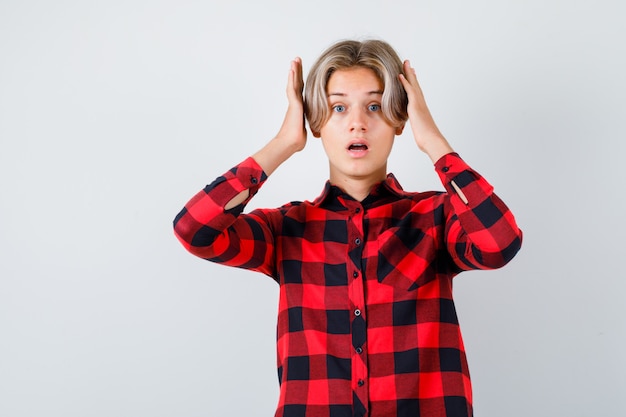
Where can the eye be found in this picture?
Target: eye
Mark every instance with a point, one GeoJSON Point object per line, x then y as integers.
{"type": "Point", "coordinates": [373, 107]}
{"type": "Point", "coordinates": [339, 108]}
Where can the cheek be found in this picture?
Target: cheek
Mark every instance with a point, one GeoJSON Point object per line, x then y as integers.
{"type": "Point", "coordinates": [331, 129]}
{"type": "Point", "coordinates": [327, 144]}
{"type": "Point", "coordinates": [389, 145]}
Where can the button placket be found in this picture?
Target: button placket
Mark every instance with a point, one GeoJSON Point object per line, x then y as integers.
{"type": "Point", "coordinates": [356, 247]}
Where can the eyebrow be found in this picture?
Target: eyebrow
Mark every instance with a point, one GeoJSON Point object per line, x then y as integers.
{"type": "Point", "coordinates": [375, 92]}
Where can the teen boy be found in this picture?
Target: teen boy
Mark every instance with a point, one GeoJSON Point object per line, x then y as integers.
{"type": "Point", "coordinates": [366, 324]}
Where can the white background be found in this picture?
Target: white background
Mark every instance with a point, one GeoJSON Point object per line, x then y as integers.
{"type": "Point", "coordinates": [113, 114]}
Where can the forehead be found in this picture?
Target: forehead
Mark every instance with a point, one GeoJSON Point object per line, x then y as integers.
{"type": "Point", "coordinates": [354, 80]}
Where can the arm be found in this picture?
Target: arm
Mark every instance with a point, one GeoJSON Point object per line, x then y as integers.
{"type": "Point", "coordinates": [481, 232]}
{"type": "Point", "coordinates": [425, 132]}
{"type": "Point", "coordinates": [291, 137]}
{"type": "Point", "coordinates": [210, 231]}
{"type": "Point", "coordinates": [212, 226]}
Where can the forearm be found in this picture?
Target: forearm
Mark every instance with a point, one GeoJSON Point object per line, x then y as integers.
{"type": "Point", "coordinates": [425, 131]}
{"type": "Point", "coordinates": [269, 158]}
{"type": "Point", "coordinates": [481, 230]}
{"type": "Point", "coordinates": [291, 137]}
{"type": "Point", "coordinates": [434, 144]}
{"type": "Point", "coordinates": [274, 153]}
{"type": "Point", "coordinates": [209, 212]}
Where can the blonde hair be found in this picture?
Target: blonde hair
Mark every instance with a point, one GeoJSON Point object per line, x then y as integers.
{"type": "Point", "coordinates": [374, 54]}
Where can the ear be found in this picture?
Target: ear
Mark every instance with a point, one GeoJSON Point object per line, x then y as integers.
{"type": "Point", "coordinates": [399, 129]}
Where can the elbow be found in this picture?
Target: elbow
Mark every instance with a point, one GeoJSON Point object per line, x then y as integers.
{"type": "Point", "coordinates": [198, 242]}
{"type": "Point", "coordinates": [193, 236]}
{"type": "Point", "coordinates": [511, 250]}
{"type": "Point", "coordinates": [184, 236]}
{"type": "Point", "coordinates": [182, 229]}
{"type": "Point", "coordinates": [498, 259]}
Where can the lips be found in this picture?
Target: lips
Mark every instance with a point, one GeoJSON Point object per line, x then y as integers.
{"type": "Point", "coordinates": [358, 148]}
{"type": "Point", "coordinates": [358, 144]}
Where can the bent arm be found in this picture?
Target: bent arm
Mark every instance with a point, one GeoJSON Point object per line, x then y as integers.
{"type": "Point", "coordinates": [481, 231]}
{"type": "Point", "coordinates": [212, 226]}
{"type": "Point", "coordinates": [209, 229]}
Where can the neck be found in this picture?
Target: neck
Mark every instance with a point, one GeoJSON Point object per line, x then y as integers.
{"type": "Point", "coordinates": [357, 188]}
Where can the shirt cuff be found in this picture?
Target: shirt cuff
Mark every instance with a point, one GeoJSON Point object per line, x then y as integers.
{"type": "Point", "coordinates": [461, 180]}
{"type": "Point", "coordinates": [250, 175]}
{"type": "Point", "coordinates": [247, 175]}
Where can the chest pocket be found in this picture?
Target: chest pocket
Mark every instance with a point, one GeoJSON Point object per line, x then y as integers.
{"type": "Point", "coordinates": [403, 258]}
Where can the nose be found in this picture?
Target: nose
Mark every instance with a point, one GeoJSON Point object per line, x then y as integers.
{"type": "Point", "coordinates": [358, 120]}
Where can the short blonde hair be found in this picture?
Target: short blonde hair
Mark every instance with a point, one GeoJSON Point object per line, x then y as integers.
{"type": "Point", "coordinates": [374, 54]}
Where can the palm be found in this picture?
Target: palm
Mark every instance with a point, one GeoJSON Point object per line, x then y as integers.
{"type": "Point", "coordinates": [293, 129]}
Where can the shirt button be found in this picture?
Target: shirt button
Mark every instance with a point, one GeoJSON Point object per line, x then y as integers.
{"type": "Point", "coordinates": [357, 312]}
{"type": "Point", "coordinates": [355, 274]}
{"type": "Point", "coordinates": [253, 180]}
{"type": "Point", "coordinates": [357, 210]}
{"type": "Point", "coordinates": [445, 169]}
{"type": "Point", "coordinates": [359, 350]}
{"type": "Point", "coordinates": [361, 383]}
{"type": "Point", "coordinates": [357, 241]}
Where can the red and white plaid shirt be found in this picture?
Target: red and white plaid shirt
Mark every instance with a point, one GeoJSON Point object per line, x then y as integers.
{"type": "Point", "coordinates": [366, 324]}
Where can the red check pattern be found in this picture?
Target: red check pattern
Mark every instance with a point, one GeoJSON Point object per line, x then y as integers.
{"type": "Point", "coordinates": [366, 324]}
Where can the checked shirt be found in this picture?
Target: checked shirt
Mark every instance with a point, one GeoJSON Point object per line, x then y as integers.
{"type": "Point", "coordinates": [366, 323]}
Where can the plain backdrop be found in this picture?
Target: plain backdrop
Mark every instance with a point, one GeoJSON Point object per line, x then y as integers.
{"type": "Point", "coordinates": [113, 114]}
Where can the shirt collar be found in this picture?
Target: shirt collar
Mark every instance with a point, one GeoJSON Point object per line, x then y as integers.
{"type": "Point", "coordinates": [333, 198]}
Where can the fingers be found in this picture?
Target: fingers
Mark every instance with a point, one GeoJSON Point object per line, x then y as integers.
{"type": "Point", "coordinates": [295, 83]}
{"type": "Point", "coordinates": [408, 78]}
{"type": "Point", "coordinates": [408, 69]}
{"type": "Point", "coordinates": [299, 76]}
{"type": "Point", "coordinates": [296, 70]}
{"type": "Point", "coordinates": [410, 83]}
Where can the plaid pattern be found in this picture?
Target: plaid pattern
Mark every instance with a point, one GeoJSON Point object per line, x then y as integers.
{"type": "Point", "coordinates": [366, 324]}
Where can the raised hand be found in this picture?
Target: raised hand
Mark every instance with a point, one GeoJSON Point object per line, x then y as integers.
{"type": "Point", "coordinates": [293, 131]}
{"type": "Point", "coordinates": [425, 132]}
{"type": "Point", "coordinates": [291, 137]}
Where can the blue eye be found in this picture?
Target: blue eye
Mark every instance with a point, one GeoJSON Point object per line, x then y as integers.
{"type": "Point", "coordinates": [339, 108]}
{"type": "Point", "coordinates": [373, 107]}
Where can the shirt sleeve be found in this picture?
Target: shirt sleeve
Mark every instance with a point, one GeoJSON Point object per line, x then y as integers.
{"type": "Point", "coordinates": [481, 231]}
{"type": "Point", "coordinates": [206, 229]}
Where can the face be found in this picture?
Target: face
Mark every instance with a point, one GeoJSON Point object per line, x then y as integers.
{"type": "Point", "coordinates": [357, 138]}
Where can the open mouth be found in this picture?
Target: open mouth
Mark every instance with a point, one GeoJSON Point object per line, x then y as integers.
{"type": "Point", "coordinates": [357, 147]}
